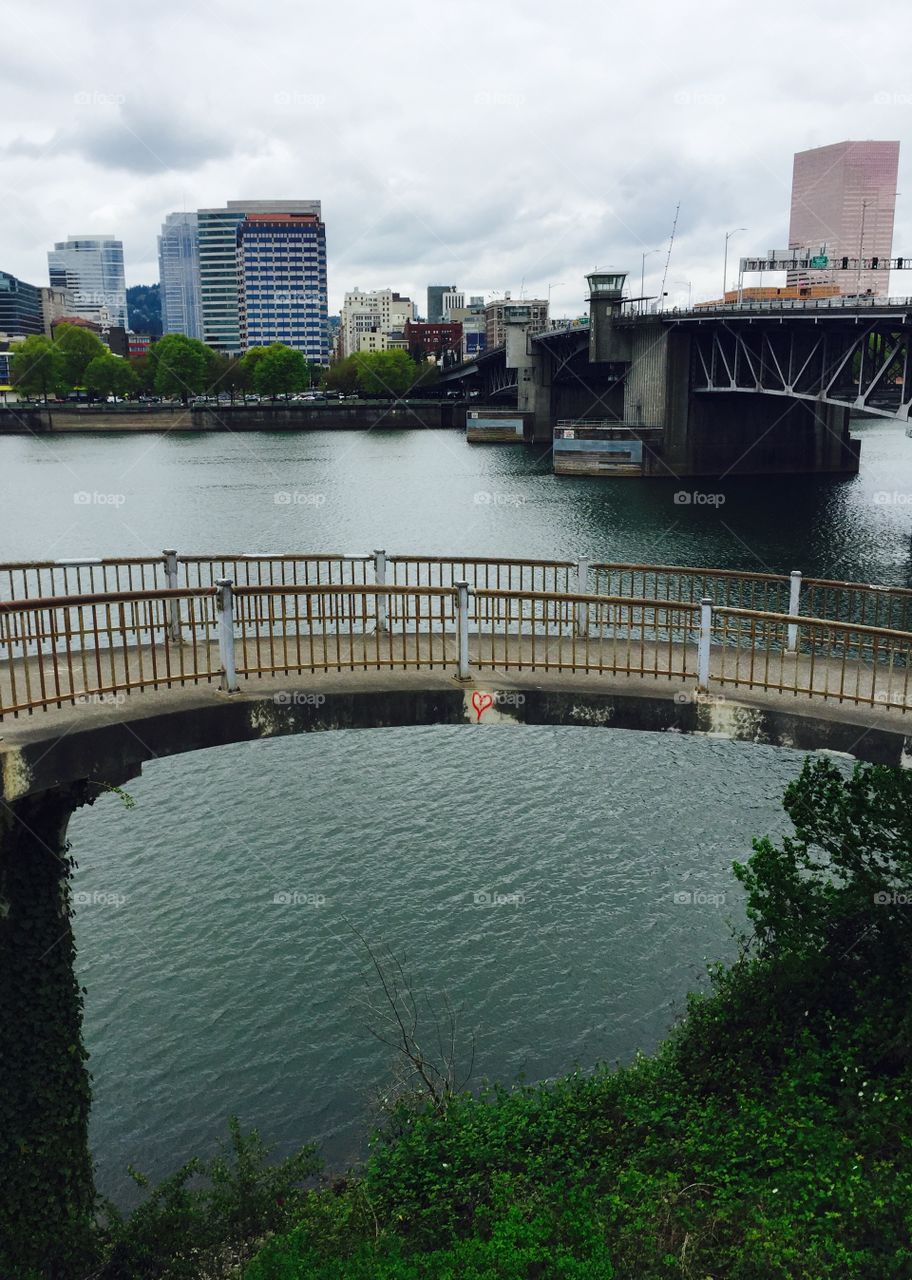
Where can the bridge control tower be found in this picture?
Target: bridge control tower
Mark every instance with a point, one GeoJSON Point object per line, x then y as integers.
{"type": "Point", "coordinates": [606, 296]}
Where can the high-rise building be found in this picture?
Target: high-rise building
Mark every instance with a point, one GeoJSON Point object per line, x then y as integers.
{"type": "Point", "coordinates": [282, 283]}
{"type": "Point", "coordinates": [452, 300]}
{"type": "Point", "coordinates": [379, 311]}
{"type": "Point", "coordinates": [843, 203]}
{"type": "Point", "coordinates": [91, 270]}
{"type": "Point", "coordinates": [178, 274]}
{"type": "Point", "coordinates": [218, 267]}
{"type": "Point", "coordinates": [20, 307]}
{"type": "Point", "coordinates": [435, 301]}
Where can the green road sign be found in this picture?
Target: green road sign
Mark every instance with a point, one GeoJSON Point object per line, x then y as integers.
{"type": "Point", "coordinates": [820, 261]}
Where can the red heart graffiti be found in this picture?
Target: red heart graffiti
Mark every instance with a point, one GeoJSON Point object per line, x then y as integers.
{"type": "Point", "coordinates": [481, 702]}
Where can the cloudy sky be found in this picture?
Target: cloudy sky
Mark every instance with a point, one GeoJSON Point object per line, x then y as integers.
{"type": "Point", "coordinates": [500, 144]}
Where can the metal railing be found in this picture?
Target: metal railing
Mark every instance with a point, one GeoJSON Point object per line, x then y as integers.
{"type": "Point", "coordinates": [863, 603]}
{"type": "Point", "coordinates": [297, 614]}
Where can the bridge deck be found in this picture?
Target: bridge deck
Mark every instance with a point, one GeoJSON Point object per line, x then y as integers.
{"type": "Point", "coordinates": [124, 676]}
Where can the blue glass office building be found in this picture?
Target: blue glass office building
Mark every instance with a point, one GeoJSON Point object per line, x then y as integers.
{"type": "Point", "coordinates": [281, 261]}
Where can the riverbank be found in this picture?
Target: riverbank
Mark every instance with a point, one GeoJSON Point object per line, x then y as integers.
{"type": "Point", "coordinates": [431, 415]}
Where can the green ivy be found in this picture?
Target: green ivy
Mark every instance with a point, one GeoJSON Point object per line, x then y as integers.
{"type": "Point", "coordinates": [47, 1198]}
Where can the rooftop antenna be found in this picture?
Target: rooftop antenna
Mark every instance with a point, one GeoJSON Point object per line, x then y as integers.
{"type": "Point", "coordinates": [668, 258]}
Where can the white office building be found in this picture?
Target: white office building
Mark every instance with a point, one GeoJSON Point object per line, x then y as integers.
{"type": "Point", "coordinates": [178, 273]}
{"type": "Point", "coordinates": [380, 311]}
{"type": "Point", "coordinates": [90, 269]}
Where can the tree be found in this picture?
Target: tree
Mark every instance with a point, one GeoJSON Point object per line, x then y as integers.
{"type": "Point", "coordinates": [280, 371]}
{"type": "Point", "coordinates": [426, 375]}
{"type": "Point", "coordinates": [841, 887]}
{"type": "Point", "coordinates": [385, 373]}
{"type": "Point", "coordinates": [78, 347]}
{"type": "Point", "coordinates": [110, 375]}
{"type": "Point", "coordinates": [249, 361]}
{"type": "Point", "coordinates": [233, 378]}
{"type": "Point", "coordinates": [37, 366]}
{"type": "Point", "coordinates": [143, 373]}
{"type": "Point", "coordinates": [342, 376]}
{"type": "Point", "coordinates": [180, 366]}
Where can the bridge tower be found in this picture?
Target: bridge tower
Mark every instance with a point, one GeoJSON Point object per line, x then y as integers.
{"type": "Point", "coordinates": [606, 289]}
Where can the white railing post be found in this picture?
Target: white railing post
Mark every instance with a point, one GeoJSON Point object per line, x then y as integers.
{"type": "Point", "coordinates": [706, 616]}
{"type": "Point", "coordinates": [174, 627]}
{"type": "Point", "coordinates": [224, 603]}
{"type": "Point", "coordinates": [462, 628]}
{"type": "Point", "coordinates": [794, 608]}
{"type": "Point", "coordinates": [582, 610]}
{"type": "Point", "coordinates": [380, 580]}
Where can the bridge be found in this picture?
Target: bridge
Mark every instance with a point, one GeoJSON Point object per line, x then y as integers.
{"type": "Point", "coordinates": [739, 388]}
{"type": "Point", "coordinates": [107, 664]}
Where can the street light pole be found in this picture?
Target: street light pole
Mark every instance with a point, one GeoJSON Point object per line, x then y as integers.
{"type": "Point", "coordinates": [559, 283]}
{"type": "Point", "coordinates": [864, 206]}
{"type": "Point", "coordinates": [646, 255]}
{"type": "Point", "coordinates": [728, 236]}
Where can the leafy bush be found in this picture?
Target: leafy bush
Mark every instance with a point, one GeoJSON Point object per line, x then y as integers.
{"type": "Point", "coordinates": [766, 1138]}
{"type": "Point", "coordinates": [207, 1218]}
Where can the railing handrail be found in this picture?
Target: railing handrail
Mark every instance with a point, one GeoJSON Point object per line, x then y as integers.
{"type": "Point", "coordinates": [748, 574]}
{"type": "Point", "coordinates": [290, 557]}
{"type": "Point", "coordinates": [34, 604]}
{"type": "Point", "coordinates": [804, 621]}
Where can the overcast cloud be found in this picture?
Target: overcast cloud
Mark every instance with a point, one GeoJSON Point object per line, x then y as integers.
{"type": "Point", "coordinates": [500, 145]}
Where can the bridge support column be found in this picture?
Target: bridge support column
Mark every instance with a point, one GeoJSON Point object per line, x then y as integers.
{"type": "Point", "coordinates": [47, 1203]}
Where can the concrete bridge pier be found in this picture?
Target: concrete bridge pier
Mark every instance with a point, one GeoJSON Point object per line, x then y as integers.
{"type": "Point", "coordinates": [48, 1197]}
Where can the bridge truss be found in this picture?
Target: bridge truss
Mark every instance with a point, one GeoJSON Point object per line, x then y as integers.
{"type": "Point", "coordinates": [860, 363]}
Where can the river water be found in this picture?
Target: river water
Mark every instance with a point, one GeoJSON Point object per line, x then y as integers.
{"type": "Point", "coordinates": [605, 856]}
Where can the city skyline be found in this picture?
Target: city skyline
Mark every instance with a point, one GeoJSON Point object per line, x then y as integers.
{"type": "Point", "coordinates": [519, 186]}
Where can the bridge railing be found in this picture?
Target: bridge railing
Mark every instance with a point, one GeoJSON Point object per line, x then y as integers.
{"type": "Point", "coordinates": [103, 647]}
{"type": "Point", "coordinates": [41, 579]}
{"type": "Point", "coordinates": [819, 658]}
{"type": "Point", "coordinates": [547, 631]}
{"type": "Point", "coordinates": [869, 605]}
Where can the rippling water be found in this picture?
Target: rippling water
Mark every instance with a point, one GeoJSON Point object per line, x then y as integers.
{"type": "Point", "coordinates": [204, 995]}
{"type": "Point", "coordinates": [207, 996]}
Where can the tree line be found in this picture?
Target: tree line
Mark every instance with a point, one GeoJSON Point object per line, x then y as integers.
{"type": "Point", "coordinates": [177, 367]}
